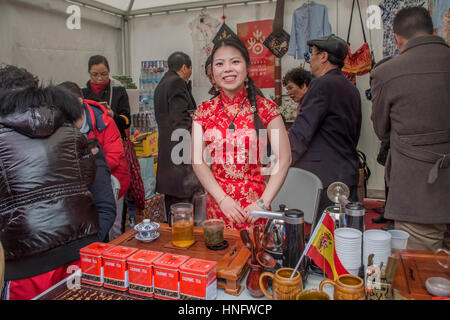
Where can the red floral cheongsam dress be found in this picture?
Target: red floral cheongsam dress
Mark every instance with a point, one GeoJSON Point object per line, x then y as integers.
{"type": "Point", "coordinates": [235, 156]}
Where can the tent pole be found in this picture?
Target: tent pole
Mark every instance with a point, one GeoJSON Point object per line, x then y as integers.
{"type": "Point", "coordinates": [125, 46]}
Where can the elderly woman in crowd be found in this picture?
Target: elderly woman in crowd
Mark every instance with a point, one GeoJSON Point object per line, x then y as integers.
{"type": "Point", "coordinates": [296, 82]}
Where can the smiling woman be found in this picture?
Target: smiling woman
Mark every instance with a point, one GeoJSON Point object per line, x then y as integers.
{"type": "Point", "coordinates": [236, 185]}
{"type": "Point", "coordinates": [229, 70]}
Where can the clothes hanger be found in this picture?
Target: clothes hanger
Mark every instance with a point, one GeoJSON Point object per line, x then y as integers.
{"type": "Point", "coordinates": [202, 15]}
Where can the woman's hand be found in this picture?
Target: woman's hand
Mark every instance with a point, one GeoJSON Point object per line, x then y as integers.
{"type": "Point", "coordinates": [232, 210]}
{"type": "Point", "coordinates": [249, 209]}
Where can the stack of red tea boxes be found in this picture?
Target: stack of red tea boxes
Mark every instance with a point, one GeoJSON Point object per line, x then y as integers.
{"type": "Point", "coordinates": [148, 273]}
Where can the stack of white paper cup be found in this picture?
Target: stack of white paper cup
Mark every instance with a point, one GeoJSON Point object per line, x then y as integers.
{"type": "Point", "coordinates": [348, 248]}
{"type": "Point", "coordinates": [377, 242]}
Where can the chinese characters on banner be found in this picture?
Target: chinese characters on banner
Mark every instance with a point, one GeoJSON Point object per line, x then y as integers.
{"type": "Point", "coordinates": [262, 68]}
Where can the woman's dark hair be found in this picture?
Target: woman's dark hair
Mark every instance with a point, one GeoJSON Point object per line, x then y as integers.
{"type": "Point", "coordinates": [251, 88]}
{"type": "Point", "coordinates": [97, 59]}
{"type": "Point", "coordinates": [72, 87]}
{"type": "Point", "coordinates": [411, 21]}
{"type": "Point", "coordinates": [208, 63]}
{"type": "Point", "coordinates": [298, 76]}
{"type": "Point", "coordinates": [21, 100]}
{"type": "Point", "coordinates": [12, 77]}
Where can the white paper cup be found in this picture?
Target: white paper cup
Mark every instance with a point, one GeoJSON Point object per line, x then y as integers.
{"type": "Point", "coordinates": [377, 236]}
{"type": "Point", "coordinates": [399, 239]}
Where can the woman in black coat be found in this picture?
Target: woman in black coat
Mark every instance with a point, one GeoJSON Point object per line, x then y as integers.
{"type": "Point", "coordinates": [47, 213]}
{"type": "Point", "coordinates": [101, 88]}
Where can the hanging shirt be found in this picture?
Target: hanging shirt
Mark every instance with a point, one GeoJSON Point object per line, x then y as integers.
{"type": "Point", "coordinates": [203, 28]}
{"type": "Point", "coordinates": [308, 22]}
{"type": "Point", "coordinates": [440, 8]}
{"type": "Point", "coordinates": [389, 9]}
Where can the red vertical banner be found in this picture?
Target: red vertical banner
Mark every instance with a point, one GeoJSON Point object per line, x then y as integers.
{"type": "Point", "coordinates": [262, 67]}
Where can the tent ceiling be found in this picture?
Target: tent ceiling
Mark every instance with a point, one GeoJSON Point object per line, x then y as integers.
{"type": "Point", "coordinates": [144, 4]}
{"type": "Point", "coordinates": [137, 7]}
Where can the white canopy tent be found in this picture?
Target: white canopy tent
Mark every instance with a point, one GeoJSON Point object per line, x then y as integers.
{"type": "Point", "coordinates": [146, 7]}
{"type": "Point", "coordinates": [127, 9]}
{"type": "Point", "coordinates": [34, 35]}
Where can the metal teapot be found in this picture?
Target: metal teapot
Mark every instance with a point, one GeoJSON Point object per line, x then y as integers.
{"type": "Point", "coordinates": [284, 235]}
{"type": "Point", "coordinates": [272, 241]}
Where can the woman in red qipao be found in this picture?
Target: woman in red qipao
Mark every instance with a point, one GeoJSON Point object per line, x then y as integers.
{"type": "Point", "coordinates": [225, 127]}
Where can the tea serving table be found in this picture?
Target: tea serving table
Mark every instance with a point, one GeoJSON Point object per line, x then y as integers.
{"type": "Point", "coordinates": [232, 268]}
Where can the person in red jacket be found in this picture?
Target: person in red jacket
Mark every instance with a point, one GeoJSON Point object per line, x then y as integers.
{"type": "Point", "coordinates": [103, 127]}
{"type": "Point", "coordinates": [95, 123]}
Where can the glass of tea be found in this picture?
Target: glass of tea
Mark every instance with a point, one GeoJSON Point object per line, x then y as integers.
{"type": "Point", "coordinates": [182, 224]}
{"type": "Point", "coordinates": [213, 232]}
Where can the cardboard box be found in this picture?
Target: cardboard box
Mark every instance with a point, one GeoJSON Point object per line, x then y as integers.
{"type": "Point", "coordinates": [198, 280]}
{"type": "Point", "coordinates": [92, 263]}
{"type": "Point", "coordinates": [140, 270]}
{"type": "Point", "coordinates": [167, 276]}
{"type": "Point", "coordinates": [116, 268]}
{"type": "Point", "coordinates": [148, 146]}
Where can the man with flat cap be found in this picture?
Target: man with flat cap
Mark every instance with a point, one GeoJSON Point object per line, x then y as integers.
{"type": "Point", "coordinates": [325, 133]}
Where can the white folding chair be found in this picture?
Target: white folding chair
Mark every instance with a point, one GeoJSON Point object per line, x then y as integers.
{"type": "Point", "coordinates": [301, 190]}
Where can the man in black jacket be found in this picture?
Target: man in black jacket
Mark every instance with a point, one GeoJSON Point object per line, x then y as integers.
{"type": "Point", "coordinates": [173, 105]}
{"type": "Point", "coordinates": [325, 133]}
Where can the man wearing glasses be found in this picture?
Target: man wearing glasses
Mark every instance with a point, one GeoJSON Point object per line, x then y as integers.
{"type": "Point", "coordinates": [325, 133]}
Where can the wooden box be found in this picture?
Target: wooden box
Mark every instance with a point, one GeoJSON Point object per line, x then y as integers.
{"type": "Point", "coordinates": [415, 267]}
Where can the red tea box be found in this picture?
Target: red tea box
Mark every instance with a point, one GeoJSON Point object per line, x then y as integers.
{"type": "Point", "coordinates": [92, 262]}
{"type": "Point", "coordinates": [198, 280]}
{"type": "Point", "coordinates": [140, 271]}
{"type": "Point", "coordinates": [116, 268]}
{"type": "Point", "coordinates": [167, 276]}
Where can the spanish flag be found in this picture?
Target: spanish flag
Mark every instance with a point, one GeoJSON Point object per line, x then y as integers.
{"type": "Point", "coordinates": [321, 248]}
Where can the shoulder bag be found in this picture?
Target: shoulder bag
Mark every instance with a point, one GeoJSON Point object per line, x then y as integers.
{"type": "Point", "coordinates": [359, 62]}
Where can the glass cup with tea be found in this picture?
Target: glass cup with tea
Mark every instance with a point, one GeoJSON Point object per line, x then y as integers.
{"type": "Point", "coordinates": [213, 232]}
{"type": "Point", "coordinates": [182, 224]}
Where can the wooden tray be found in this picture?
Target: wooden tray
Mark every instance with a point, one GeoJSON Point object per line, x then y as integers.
{"type": "Point", "coordinates": [231, 262]}
{"type": "Point", "coordinates": [415, 267]}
